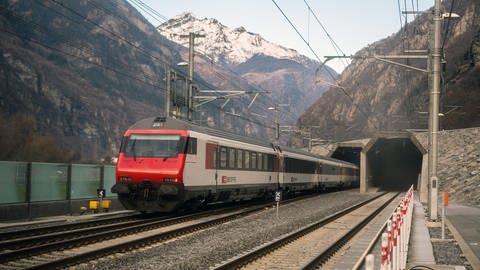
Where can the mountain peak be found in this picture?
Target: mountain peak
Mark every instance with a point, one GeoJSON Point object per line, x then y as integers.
{"type": "Point", "coordinates": [224, 44]}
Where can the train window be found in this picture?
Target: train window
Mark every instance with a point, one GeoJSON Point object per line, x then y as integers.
{"type": "Point", "coordinates": [192, 146]}
{"type": "Point", "coordinates": [153, 145]}
{"type": "Point", "coordinates": [223, 157]}
{"type": "Point", "coordinates": [231, 158]}
{"type": "Point", "coordinates": [247, 160]}
{"type": "Point", "coordinates": [260, 161]}
{"type": "Point", "coordinates": [239, 159]}
{"type": "Point", "coordinates": [293, 165]}
{"type": "Point", "coordinates": [266, 163]}
{"type": "Point", "coordinates": [271, 162]}
{"type": "Point", "coordinates": [254, 160]}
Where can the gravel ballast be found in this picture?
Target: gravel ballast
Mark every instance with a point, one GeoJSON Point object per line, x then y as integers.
{"type": "Point", "coordinates": [206, 248]}
{"type": "Point", "coordinates": [446, 251]}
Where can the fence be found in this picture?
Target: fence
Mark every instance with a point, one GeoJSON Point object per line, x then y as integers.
{"type": "Point", "coordinates": [23, 183]}
{"type": "Point", "coordinates": [395, 240]}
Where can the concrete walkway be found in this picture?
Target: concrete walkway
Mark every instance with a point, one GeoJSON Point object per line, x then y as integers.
{"type": "Point", "coordinates": [420, 250]}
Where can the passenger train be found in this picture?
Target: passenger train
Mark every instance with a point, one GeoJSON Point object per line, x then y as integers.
{"type": "Point", "coordinates": [165, 164]}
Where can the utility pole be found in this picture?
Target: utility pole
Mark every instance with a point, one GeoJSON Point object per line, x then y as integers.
{"type": "Point", "coordinates": [189, 100]}
{"type": "Point", "coordinates": [191, 52]}
{"type": "Point", "coordinates": [168, 82]}
{"type": "Point", "coordinates": [436, 55]}
{"type": "Point", "coordinates": [434, 70]}
{"type": "Point", "coordinates": [277, 124]}
{"type": "Point", "coordinates": [191, 44]}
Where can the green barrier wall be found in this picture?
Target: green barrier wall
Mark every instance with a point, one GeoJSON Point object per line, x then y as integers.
{"type": "Point", "coordinates": [85, 181]}
{"type": "Point", "coordinates": [22, 182]}
{"type": "Point", "coordinates": [13, 182]}
{"type": "Point", "coordinates": [109, 179]}
{"type": "Point", "coordinates": [49, 182]}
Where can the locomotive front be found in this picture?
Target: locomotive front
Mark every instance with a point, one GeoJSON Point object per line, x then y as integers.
{"type": "Point", "coordinates": [149, 171]}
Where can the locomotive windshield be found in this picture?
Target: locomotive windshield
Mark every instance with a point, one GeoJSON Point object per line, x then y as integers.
{"type": "Point", "coordinates": [153, 145]}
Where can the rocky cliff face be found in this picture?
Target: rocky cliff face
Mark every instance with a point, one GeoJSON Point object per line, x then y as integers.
{"type": "Point", "coordinates": [376, 96]}
{"type": "Point", "coordinates": [85, 70]}
{"type": "Point", "coordinates": [458, 164]}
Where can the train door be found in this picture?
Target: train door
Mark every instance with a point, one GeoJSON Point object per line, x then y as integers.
{"type": "Point", "coordinates": [318, 175]}
{"type": "Point", "coordinates": [279, 168]}
{"type": "Point", "coordinates": [212, 164]}
{"type": "Point", "coordinates": [191, 151]}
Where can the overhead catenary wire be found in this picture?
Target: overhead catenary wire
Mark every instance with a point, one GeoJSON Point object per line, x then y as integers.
{"type": "Point", "coordinates": [447, 28]}
{"type": "Point", "coordinates": [160, 18]}
{"type": "Point", "coordinates": [79, 58]}
{"type": "Point", "coordinates": [328, 70]}
{"type": "Point", "coordinates": [154, 13]}
{"type": "Point", "coordinates": [335, 45]}
{"type": "Point", "coordinates": [157, 86]}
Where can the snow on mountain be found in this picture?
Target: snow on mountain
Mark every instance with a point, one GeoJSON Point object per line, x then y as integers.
{"type": "Point", "coordinates": [224, 44]}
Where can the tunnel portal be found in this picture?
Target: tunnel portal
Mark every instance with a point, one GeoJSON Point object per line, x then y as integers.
{"type": "Point", "coordinates": [393, 164]}
{"type": "Point", "coordinates": [390, 161]}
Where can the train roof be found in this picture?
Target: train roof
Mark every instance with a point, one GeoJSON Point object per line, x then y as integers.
{"type": "Point", "coordinates": [176, 124]}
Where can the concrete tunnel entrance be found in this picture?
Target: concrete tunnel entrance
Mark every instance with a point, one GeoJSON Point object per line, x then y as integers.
{"type": "Point", "coordinates": [392, 162]}
{"type": "Point", "coordinates": [389, 161]}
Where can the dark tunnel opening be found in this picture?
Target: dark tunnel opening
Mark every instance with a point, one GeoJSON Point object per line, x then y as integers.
{"type": "Point", "coordinates": [349, 154]}
{"type": "Point", "coordinates": [394, 164]}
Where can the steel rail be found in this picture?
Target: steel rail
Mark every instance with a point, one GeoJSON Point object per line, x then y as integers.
{"type": "Point", "coordinates": [107, 235]}
{"type": "Point", "coordinates": [266, 248]}
{"type": "Point", "coordinates": [324, 256]}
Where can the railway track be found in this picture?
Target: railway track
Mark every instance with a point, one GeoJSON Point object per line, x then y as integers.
{"type": "Point", "coordinates": [310, 247]}
{"type": "Point", "coordinates": [47, 228]}
{"type": "Point", "coordinates": [75, 244]}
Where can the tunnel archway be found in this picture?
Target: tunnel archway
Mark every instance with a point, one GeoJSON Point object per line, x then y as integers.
{"type": "Point", "coordinates": [391, 162]}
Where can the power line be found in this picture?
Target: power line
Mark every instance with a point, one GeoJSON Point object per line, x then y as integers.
{"type": "Point", "coordinates": [100, 65]}
{"type": "Point", "coordinates": [335, 46]}
{"type": "Point", "coordinates": [79, 58]}
{"type": "Point", "coordinates": [448, 25]}
{"type": "Point", "coordinates": [146, 7]}
{"type": "Point", "coordinates": [300, 35]}
{"type": "Point", "coordinates": [328, 71]}
{"type": "Point", "coordinates": [154, 14]}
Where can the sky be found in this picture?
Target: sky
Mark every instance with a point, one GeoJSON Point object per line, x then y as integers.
{"type": "Point", "coordinates": [352, 24]}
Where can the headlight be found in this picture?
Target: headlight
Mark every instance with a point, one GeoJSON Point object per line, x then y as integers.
{"type": "Point", "coordinates": [124, 178]}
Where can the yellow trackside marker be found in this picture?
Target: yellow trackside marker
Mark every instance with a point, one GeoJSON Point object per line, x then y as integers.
{"type": "Point", "coordinates": [106, 204]}
{"type": "Point", "coordinates": [93, 205]}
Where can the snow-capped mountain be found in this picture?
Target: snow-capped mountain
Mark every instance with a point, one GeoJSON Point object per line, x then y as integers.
{"type": "Point", "coordinates": [288, 75]}
{"type": "Point", "coordinates": [223, 44]}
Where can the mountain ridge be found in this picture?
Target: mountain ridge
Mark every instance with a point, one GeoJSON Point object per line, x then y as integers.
{"type": "Point", "coordinates": [225, 45]}
{"type": "Point", "coordinates": [290, 76]}
{"type": "Point", "coordinates": [378, 96]}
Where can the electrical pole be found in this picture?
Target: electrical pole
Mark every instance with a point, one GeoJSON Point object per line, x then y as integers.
{"type": "Point", "coordinates": [436, 55]}
{"type": "Point", "coordinates": [191, 42]}
{"type": "Point", "coordinates": [168, 91]}
{"type": "Point", "coordinates": [277, 124]}
{"type": "Point", "coordinates": [189, 81]}
{"type": "Point", "coordinates": [277, 127]}
{"type": "Point", "coordinates": [434, 70]}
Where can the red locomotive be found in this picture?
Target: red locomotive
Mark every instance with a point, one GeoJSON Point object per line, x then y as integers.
{"type": "Point", "coordinates": [166, 164]}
